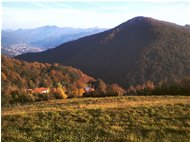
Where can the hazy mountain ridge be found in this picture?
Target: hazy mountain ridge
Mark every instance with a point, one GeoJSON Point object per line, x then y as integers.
{"type": "Point", "coordinates": [41, 38]}
{"type": "Point", "coordinates": [134, 52]}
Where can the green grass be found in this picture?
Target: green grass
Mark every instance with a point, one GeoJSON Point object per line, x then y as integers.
{"type": "Point", "coordinates": [164, 122]}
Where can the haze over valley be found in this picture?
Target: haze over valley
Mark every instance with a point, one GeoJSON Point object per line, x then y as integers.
{"type": "Point", "coordinates": [16, 42]}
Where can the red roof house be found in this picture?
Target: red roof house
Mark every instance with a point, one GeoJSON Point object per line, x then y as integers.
{"type": "Point", "coordinates": [41, 90]}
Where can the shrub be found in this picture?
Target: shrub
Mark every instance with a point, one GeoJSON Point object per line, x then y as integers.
{"type": "Point", "coordinates": [20, 98]}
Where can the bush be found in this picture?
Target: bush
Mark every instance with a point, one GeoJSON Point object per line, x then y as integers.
{"type": "Point", "coordinates": [20, 98]}
{"type": "Point", "coordinates": [114, 90]}
{"type": "Point", "coordinates": [43, 97]}
{"type": "Point", "coordinates": [58, 95]}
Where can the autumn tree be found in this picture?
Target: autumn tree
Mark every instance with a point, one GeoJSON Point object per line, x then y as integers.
{"type": "Point", "coordinates": [61, 91]}
{"type": "Point", "coordinates": [115, 90]}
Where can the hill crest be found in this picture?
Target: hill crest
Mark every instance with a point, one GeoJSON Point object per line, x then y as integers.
{"type": "Point", "coordinates": [134, 52]}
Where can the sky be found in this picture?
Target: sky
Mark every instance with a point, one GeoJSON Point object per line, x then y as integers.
{"type": "Point", "coordinates": [87, 14]}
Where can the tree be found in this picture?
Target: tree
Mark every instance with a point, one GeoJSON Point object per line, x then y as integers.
{"type": "Point", "coordinates": [61, 90]}
{"type": "Point", "coordinates": [115, 90]}
{"type": "Point", "coordinates": [18, 97]}
{"type": "Point", "coordinates": [77, 92]}
{"type": "Point", "coordinates": [100, 88]}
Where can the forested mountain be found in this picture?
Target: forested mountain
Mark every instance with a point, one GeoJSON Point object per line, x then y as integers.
{"type": "Point", "coordinates": [134, 52]}
{"type": "Point", "coordinates": [39, 39]}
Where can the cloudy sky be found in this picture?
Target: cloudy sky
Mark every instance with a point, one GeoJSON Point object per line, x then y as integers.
{"type": "Point", "coordinates": [85, 14]}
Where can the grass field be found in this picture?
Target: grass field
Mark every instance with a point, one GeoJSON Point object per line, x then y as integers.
{"type": "Point", "coordinates": [112, 119]}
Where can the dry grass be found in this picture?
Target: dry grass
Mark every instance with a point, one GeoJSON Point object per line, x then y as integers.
{"type": "Point", "coordinates": [96, 103]}
{"type": "Point", "coordinates": [113, 119]}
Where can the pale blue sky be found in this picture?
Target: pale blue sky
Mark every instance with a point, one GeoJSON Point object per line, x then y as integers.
{"type": "Point", "coordinates": [85, 14]}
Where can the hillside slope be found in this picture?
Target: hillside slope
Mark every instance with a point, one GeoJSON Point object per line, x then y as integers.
{"type": "Point", "coordinates": [134, 52]}
{"type": "Point", "coordinates": [19, 76]}
{"type": "Point", "coordinates": [22, 82]}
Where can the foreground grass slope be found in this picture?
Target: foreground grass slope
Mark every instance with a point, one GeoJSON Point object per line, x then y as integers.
{"type": "Point", "coordinates": [100, 119]}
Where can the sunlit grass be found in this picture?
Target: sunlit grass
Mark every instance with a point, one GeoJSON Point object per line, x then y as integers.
{"type": "Point", "coordinates": [163, 122]}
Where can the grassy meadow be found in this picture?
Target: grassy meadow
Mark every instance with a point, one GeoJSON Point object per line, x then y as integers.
{"type": "Point", "coordinates": [110, 119]}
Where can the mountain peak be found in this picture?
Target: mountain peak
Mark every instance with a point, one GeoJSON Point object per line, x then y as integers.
{"type": "Point", "coordinates": [134, 52]}
{"type": "Point", "coordinates": [48, 27]}
{"type": "Point", "coordinates": [140, 20]}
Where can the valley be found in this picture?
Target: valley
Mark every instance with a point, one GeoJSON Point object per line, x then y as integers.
{"type": "Point", "coordinates": [20, 41]}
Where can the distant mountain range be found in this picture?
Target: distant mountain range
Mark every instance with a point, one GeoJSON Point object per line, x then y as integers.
{"type": "Point", "coordinates": [187, 26]}
{"type": "Point", "coordinates": [39, 39]}
{"type": "Point", "coordinates": [134, 52]}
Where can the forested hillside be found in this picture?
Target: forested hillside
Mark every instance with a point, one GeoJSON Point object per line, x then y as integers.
{"type": "Point", "coordinates": [139, 50]}
{"type": "Point", "coordinates": [19, 78]}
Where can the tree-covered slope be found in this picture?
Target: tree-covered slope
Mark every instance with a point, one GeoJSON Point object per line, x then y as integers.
{"type": "Point", "coordinates": [19, 76]}
{"type": "Point", "coordinates": [21, 82]}
{"type": "Point", "coordinates": [134, 52]}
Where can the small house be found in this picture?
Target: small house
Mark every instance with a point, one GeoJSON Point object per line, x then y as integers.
{"type": "Point", "coordinates": [41, 90]}
{"type": "Point", "coordinates": [89, 89]}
